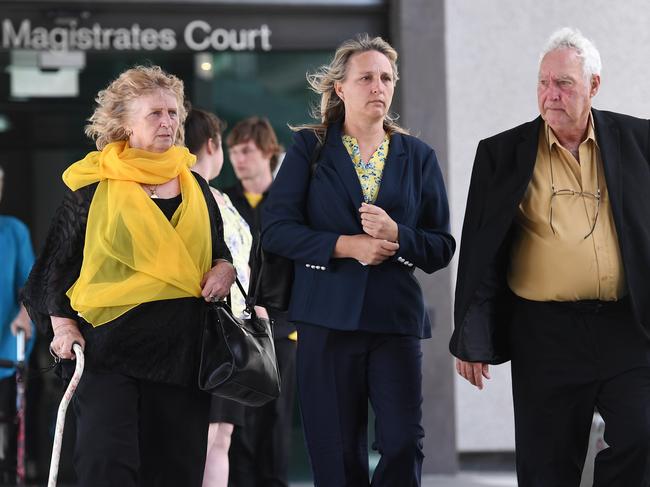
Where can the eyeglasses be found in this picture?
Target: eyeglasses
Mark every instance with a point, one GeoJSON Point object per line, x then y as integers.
{"type": "Point", "coordinates": [570, 192]}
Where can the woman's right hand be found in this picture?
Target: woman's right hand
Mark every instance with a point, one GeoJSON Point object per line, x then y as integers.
{"type": "Point", "coordinates": [216, 283]}
{"type": "Point", "coordinates": [66, 334]}
{"type": "Point", "coordinates": [364, 248]}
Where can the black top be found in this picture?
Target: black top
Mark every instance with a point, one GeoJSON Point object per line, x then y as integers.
{"type": "Point", "coordinates": [168, 205]}
{"type": "Point", "coordinates": [253, 216]}
{"type": "Point", "coordinates": [156, 341]}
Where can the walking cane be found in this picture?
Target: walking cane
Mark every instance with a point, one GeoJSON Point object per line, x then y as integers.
{"type": "Point", "coordinates": [21, 378]}
{"type": "Point", "coordinates": [60, 417]}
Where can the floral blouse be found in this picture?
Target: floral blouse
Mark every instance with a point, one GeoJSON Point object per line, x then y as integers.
{"type": "Point", "coordinates": [238, 238]}
{"type": "Point", "coordinates": [370, 172]}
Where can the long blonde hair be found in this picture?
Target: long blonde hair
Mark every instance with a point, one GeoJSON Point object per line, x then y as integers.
{"type": "Point", "coordinates": [331, 108]}
{"type": "Point", "coordinates": [108, 122]}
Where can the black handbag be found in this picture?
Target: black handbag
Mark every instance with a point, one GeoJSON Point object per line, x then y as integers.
{"type": "Point", "coordinates": [238, 356]}
{"type": "Point", "coordinates": [272, 274]}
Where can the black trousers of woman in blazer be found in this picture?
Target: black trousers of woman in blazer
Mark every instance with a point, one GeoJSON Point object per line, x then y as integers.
{"type": "Point", "coordinates": [339, 372]}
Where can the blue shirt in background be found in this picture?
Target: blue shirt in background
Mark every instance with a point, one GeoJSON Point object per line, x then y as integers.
{"type": "Point", "coordinates": [16, 260]}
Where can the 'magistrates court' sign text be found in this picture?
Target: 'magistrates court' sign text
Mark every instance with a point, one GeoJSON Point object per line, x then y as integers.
{"type": "Point", "coordinates": [197, 35]}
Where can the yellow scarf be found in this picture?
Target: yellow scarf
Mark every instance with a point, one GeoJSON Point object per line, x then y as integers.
{"type": "Point", "coordinates": [132, 253]}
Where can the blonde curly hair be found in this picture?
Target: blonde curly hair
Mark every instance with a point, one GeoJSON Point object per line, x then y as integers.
{"type": "Point", "coordinates": [109, 120]}
{"type": "Point", "coordinates": [331, 108]}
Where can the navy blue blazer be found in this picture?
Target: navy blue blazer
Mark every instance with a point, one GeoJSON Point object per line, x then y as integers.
{"type": "Point", "coordinates": [304, 215]}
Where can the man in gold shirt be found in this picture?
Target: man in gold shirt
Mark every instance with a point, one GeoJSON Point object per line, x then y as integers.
{"type": "Point", "coordinates": [554, 275]}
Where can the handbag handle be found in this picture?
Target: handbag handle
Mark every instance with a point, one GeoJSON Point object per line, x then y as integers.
{"type": "Point", "coordinates": [250, 307]}
{"type": "Point", "coordinates": [241, 288]}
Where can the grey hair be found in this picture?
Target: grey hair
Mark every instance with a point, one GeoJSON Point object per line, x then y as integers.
{"type": "Point", "coordinates": [571, 38]}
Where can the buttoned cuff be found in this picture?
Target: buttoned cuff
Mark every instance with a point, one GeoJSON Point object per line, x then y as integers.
{"type": "Point", "coordinates": [316, 267]}
{"type": "Point", "coordinates": [405, 262]}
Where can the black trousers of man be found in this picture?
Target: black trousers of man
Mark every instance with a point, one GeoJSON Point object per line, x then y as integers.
{"type": "Point", "coordinates": [260, 450]}
{"type": "Point", "coordinates": [567, 359]}
{"type": "Point", "coordinates": [8, 420]}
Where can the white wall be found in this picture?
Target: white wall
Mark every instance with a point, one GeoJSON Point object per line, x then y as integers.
{"type": "Point", "coordinates": [492, 55]}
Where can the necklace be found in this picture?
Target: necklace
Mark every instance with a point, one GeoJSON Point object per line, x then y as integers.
{"type": "Point", "coordinates": [152, 191]}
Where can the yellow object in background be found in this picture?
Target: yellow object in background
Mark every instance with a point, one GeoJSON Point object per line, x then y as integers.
{"type": "Point", "coordinates": [253, 198]}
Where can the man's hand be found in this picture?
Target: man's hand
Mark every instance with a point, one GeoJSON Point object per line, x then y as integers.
{"type": "Point", "coordinates": [473, 372]}
{"type": "Point", "coordinates": [377, 223]}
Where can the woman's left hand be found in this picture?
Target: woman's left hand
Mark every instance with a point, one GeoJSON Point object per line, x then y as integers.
{"type": "Point", "coordinates": [377, 223]}
{"type": "Point", "coordinates": [217, 281]}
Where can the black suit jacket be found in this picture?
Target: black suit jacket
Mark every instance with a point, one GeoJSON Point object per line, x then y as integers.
{"type": "Point", "coordinates": [502, 170]}
{"type": "Point", "coordinates": [248, 213]}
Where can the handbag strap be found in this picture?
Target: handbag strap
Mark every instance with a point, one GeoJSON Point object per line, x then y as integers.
{"type": "Point", "coordinates": [251, 299]}
{"type": "Point", "coordinates": [250, 308]}
{"type": "Point", "coordinates": [241, 288]}
{"type": "Point", "coordinates": [315, 155]}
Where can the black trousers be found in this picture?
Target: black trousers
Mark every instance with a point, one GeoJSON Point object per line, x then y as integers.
{"type": "Point", "coordinates": [138, 433]}
{"type": "Point", "coordinates": [338, 373]}
{"type": "Point", "coordinates": [8, 424]}
{"type": "Point", "coordinates": [567, 359]}
{"type": "Point", "coordinates": [260, 449]}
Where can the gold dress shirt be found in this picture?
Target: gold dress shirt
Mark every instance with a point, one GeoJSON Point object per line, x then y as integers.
{"type": "Point", "coordinates": [558, 263]}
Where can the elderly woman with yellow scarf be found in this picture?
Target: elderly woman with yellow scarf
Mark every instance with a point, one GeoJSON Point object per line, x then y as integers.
{"type": "Point", "coordinates": [135, 247]}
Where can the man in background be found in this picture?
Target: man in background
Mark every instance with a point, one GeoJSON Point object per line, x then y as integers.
{"type": "Point", "coordinates": [259, 454]}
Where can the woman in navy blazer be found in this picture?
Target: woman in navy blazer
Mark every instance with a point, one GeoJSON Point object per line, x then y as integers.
{"type": "Point", "coordinates": [358, 306]}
